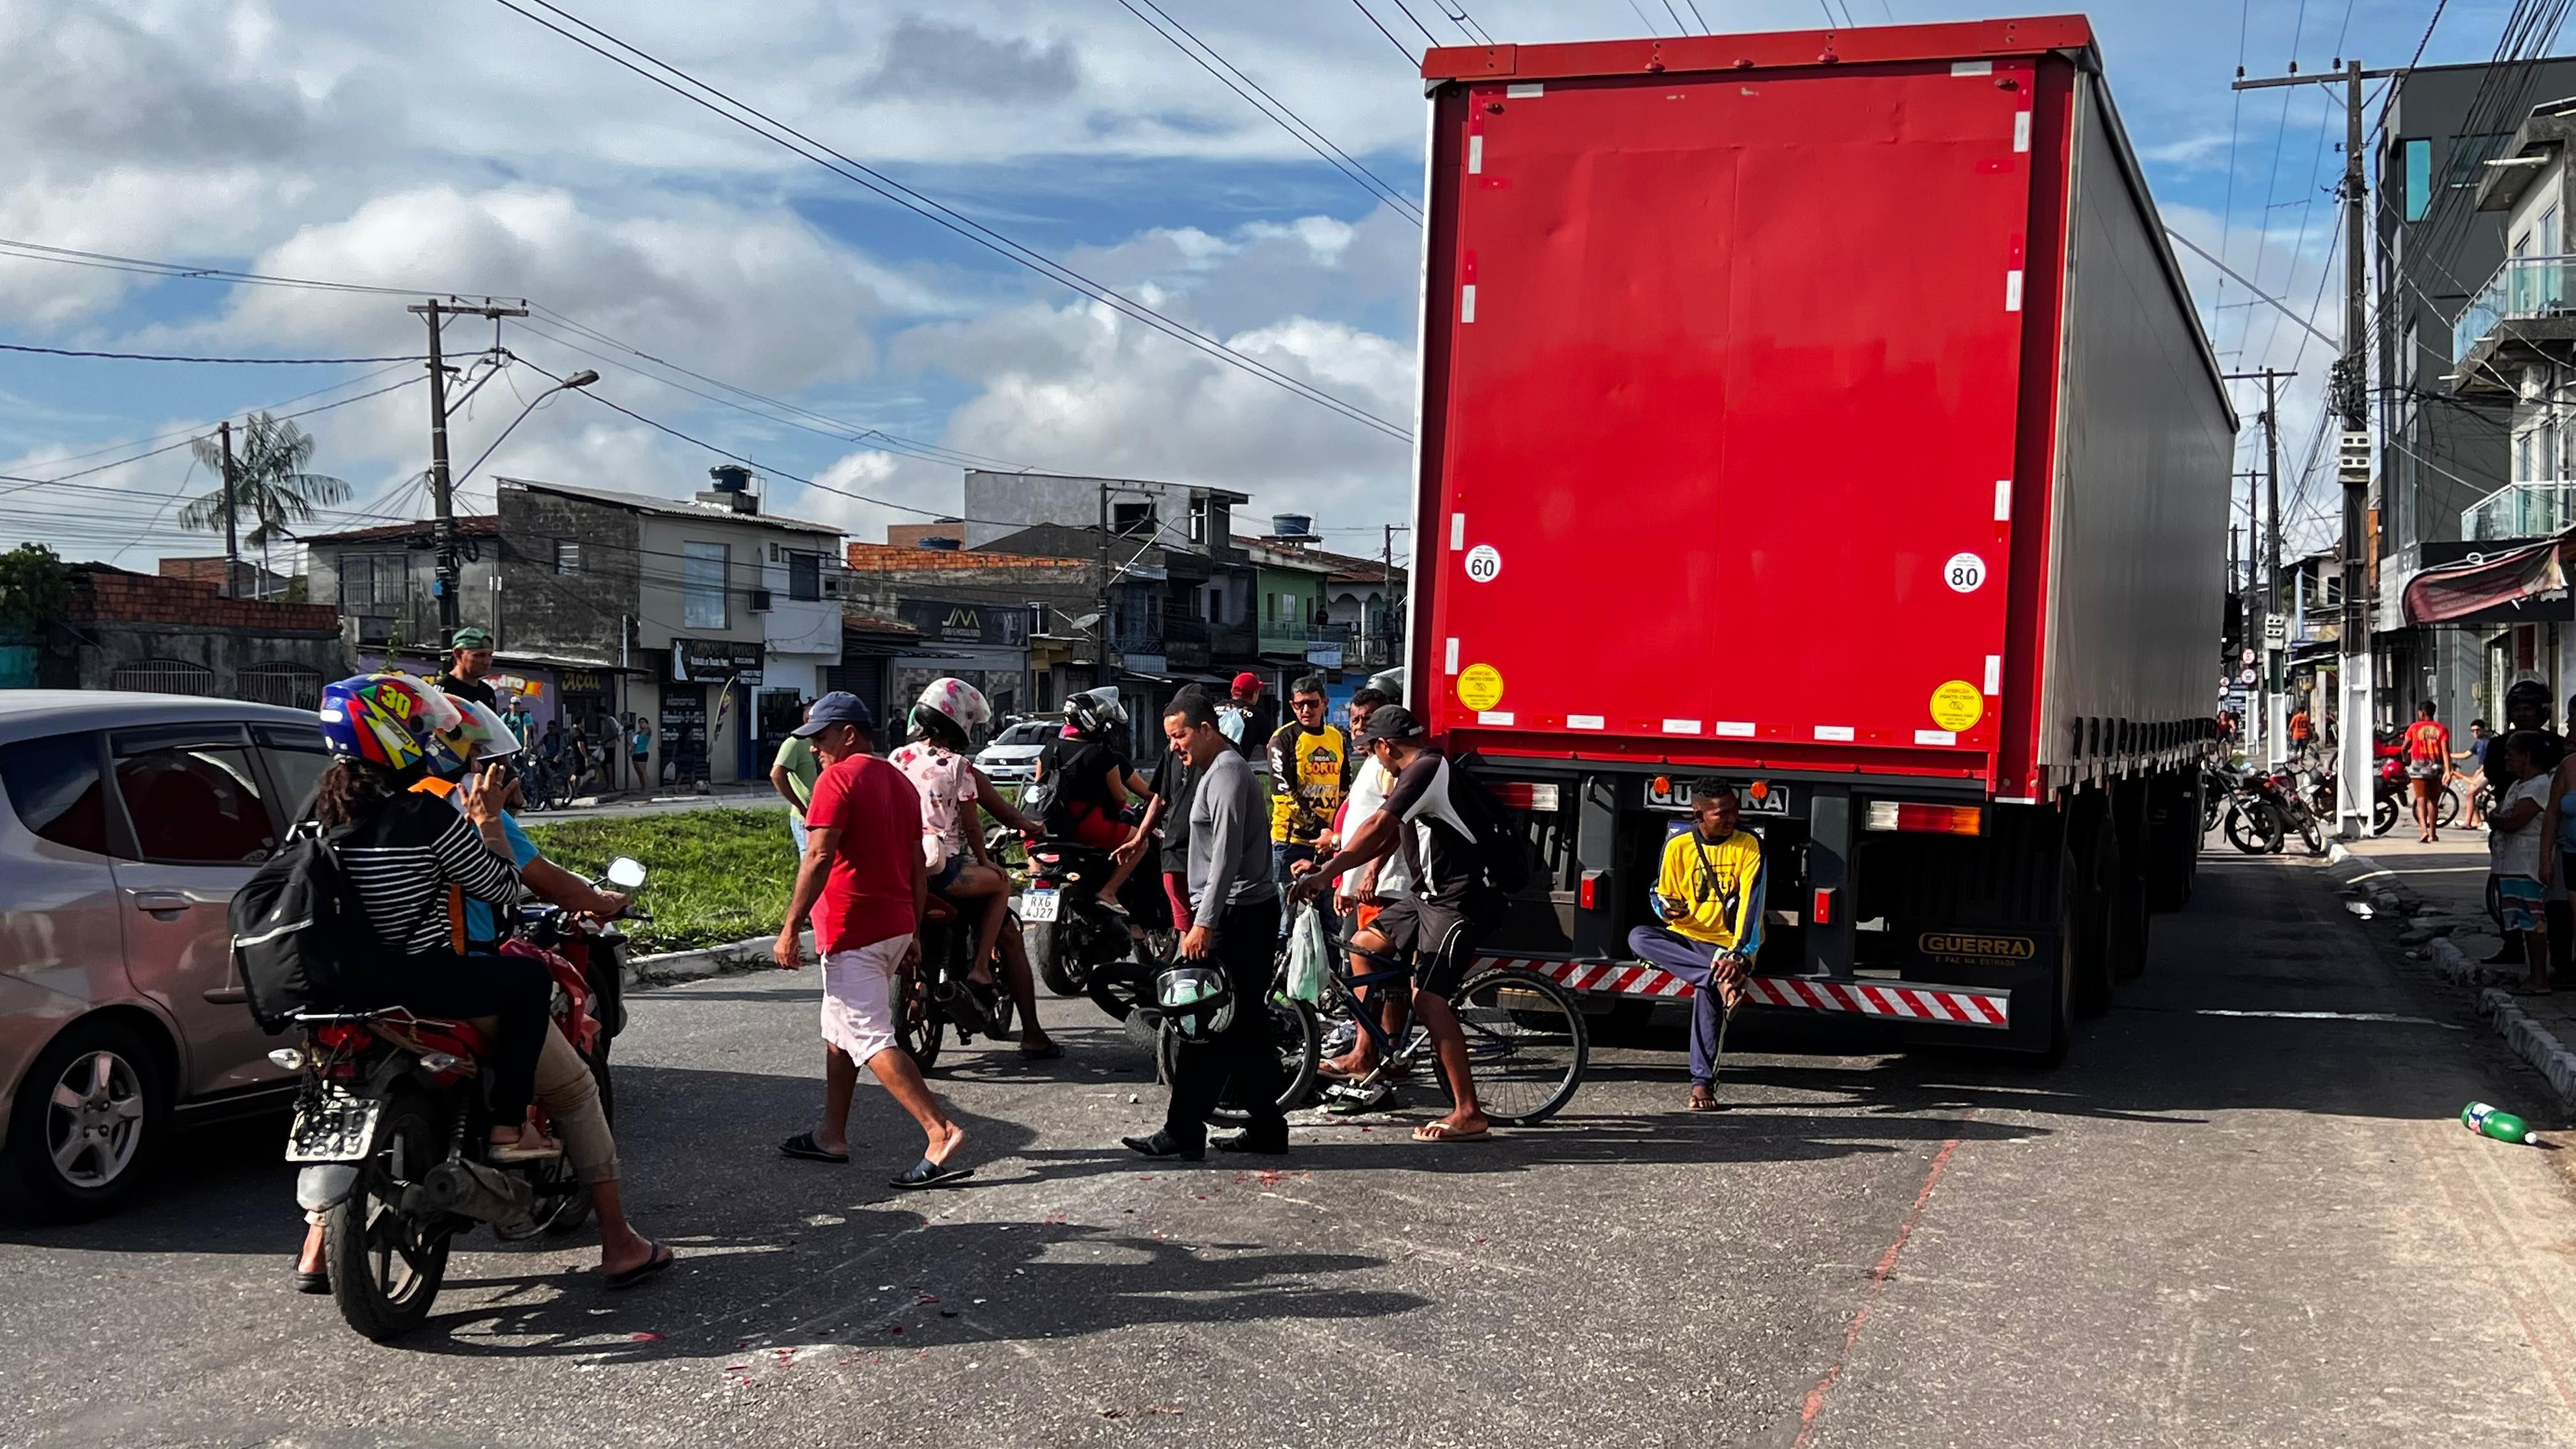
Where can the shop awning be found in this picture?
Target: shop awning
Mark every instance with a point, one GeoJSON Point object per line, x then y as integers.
{"type": "Point", "coordinates": [2475, 589]}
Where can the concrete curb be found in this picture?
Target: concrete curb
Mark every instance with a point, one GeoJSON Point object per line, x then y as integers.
{"type": "Point", "coordinates": [2533, 1041]}
{"type": "Point", "coordinates": [728, 959]}
{"type": "Point", "coordinates": [2370, 883]}
{"type": "Point", "coordinates": [2456, 967]}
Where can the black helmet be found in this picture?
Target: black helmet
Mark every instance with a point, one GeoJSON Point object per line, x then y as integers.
{"type": "Point", "coordinates": [1197, 1000]}
{"type": "Point", "coordinates": [1095, 711]}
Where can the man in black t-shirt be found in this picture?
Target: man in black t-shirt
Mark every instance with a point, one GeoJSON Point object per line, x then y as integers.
{"type": "Point", "coordinates": [1438, 922]}
{"type": "Point", "coordinates": [469, 659]}
{"type": "Point", "coordinates": [1169, 813]}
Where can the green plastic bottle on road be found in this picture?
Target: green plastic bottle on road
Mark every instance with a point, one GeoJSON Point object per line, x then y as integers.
{"type": "Point", "coordinates": [2503, 1126]}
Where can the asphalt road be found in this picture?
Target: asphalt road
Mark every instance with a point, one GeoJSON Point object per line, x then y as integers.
{"type": "Point", "coordinates": [2206, 1229]}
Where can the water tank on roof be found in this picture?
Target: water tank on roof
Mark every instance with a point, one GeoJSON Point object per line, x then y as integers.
{"type": "Point", "coordinates": [1293, 527]}
{"type": "Point", "coordinates": [731, 477]}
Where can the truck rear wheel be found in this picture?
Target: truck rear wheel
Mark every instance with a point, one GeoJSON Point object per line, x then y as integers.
{"type": "Point", "coordinates": [2060, 1003]}
{"type": "Point", "coordinates": [2091, 947]}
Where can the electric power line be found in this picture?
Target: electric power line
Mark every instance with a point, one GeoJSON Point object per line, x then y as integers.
{"type": "Point", "coordinates": [752, 119]}
{"type": "Point", "coordinates": [1288, 120]}
{"type": "Point", "coordinates": [238, 361]}
{"type": "Point", "coordinates": [1400, 47]}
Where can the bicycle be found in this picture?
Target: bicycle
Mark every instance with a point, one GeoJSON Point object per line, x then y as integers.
{"type": "Point", "coordinates": [1526, 1040]}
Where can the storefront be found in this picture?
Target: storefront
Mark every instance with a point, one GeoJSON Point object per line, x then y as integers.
{"type": "Point", "coordinates": [984, 644]}
{"type": "Point", "coordinates": [709, 732]}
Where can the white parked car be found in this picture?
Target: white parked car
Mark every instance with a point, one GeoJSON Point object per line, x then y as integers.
{"type": "Point", "coordinates": [1012, 757]}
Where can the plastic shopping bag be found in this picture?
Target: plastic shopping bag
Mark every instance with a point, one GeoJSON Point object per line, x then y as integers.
{"type": "Point", "coordinates": [1310, 955]}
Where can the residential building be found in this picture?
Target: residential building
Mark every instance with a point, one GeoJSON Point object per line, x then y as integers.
{"type": "Point", "coordinates": [1016, 626]}
{"type": "Point", "coordinates": [2446, 454]}
{"type": "Point", "coordinates": [1293, 588]}
{"type": "Point", "coordinates": [707, 617]}
{"type": "Point", "coordinates": [124, 630]}
{"type": "Point", "coordinates": [870, 645]}
{"type": "Point", "coordinates": [941, 533]}
{"type": "Point", "coordinates": [383, 581]}
{"type": "Point", "coordinates": [1181, 516]}
{"type": "Point", "coordinates": [1179, 613]}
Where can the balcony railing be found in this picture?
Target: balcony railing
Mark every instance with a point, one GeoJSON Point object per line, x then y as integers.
{"type": "Point", "coordinates": [2522, 287]}
{"type": "Point", "coordinates": [1286, 638]}
{"type": "Point", "coordinates": [2521, 510]}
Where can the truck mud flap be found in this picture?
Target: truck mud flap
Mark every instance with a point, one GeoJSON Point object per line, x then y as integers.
{"type": "Point", "coordinates": [1984, 1008]}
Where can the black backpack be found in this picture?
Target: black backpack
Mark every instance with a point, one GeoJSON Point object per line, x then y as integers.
{"type": "Point", "coordinates": [1501, 854]}
{"type": "Point", "coordinates": [300, 938]}
{"type": "Point", "coordinates": [1038, 798]}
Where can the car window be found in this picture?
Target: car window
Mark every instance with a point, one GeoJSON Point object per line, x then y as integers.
{"type": "Point", "coordinates": [296, 760]}
{"type": "Point", "coordinates": [1025, 733]}
{"type": "Point", "coordinates": [54, 785]}
{"type": "Point", "coordinates": [192, 796]}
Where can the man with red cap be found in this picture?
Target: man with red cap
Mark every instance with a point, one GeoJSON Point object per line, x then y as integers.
{"type": "Point", "coordinates": [1258, 712]}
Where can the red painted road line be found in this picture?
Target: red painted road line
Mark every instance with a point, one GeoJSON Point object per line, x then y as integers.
{"type": "Point", "coordinates": [1878, 1277]}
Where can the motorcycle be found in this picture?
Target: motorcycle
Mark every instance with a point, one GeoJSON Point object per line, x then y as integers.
{"type": "Point", "coordinates": [1071, 934]}
{"type": "Point", "coordinates": [391, 1131]}
{"type": "Point", "coordinates": [938, 994]}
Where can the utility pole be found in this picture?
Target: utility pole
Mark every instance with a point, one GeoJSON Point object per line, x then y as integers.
{"type": "Point", "coordinates": [2268, 562]}
{"type": "Point", "coordinates": [449, 564]}
{"type": "Point", "coordinates": [2358, 709]}
{"type": "Point", "coordinates": [1100, 670]}
{"type": "Point", "coordinates": [232, 543]}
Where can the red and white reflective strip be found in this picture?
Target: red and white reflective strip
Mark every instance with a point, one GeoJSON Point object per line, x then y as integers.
{"type": "Point", "coordinates": [1948, 1005]}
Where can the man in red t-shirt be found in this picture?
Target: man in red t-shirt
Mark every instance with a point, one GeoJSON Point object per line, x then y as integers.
{"type": "Point", "coordinates": [864, 881]}
{"type": "Point", "coordinates": [2428, 761]}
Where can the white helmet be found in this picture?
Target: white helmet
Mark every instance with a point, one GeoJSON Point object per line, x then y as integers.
{"type": "Point", "coordinates": [960, 703]}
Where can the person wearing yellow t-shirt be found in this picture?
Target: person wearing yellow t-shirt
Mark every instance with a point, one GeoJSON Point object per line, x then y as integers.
{"type": "Point", "coordinates": [1708, 900]}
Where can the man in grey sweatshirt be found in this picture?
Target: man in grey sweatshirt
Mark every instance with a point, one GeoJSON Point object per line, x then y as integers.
{"type": "Point", "coordinates": [1234, 909]}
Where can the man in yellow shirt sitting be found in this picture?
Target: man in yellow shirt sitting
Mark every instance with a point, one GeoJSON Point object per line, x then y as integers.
{"type": "Point", "coordinates": [1709, 897]}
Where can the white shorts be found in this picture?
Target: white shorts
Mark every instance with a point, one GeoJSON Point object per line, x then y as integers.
{"type": "Point", "coordinates": [858, 997]}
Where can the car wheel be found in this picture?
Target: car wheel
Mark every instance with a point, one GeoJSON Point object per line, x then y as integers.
{"type": "Point", "coordinates": [89, 1119]}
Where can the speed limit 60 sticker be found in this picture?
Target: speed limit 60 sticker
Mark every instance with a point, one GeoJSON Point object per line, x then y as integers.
{"type": "Point", "coordinates": [1484, 562]}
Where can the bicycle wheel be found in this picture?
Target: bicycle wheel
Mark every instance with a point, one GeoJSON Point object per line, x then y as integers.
{"type": "Point", "coordinates": [1526, 1044]}
{"type": "Point", "coordinates": [1300, 1041]}
{"type": "Point", "coordinates": [2449, 808]}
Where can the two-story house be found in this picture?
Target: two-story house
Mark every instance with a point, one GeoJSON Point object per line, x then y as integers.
{"type": "Point", "coordinates": [705, 617]}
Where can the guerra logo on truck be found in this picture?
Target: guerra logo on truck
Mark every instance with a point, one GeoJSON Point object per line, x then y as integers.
{"type": "Point", "coordinates": [1970, 948]}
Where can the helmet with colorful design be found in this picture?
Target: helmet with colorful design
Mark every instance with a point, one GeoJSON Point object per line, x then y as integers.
{"type": "Point", "coordinates": [1095, 711]}
{"type": "Point", "coordinates": [390, 720]}
{"type": "Point", "coordinates": [961, 704]}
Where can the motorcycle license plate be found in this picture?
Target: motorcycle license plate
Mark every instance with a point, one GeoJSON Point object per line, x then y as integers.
{"type": "Point", "coordinates": [335, 1129]}
{"type": "Point", "coordinates": [1039, 905]}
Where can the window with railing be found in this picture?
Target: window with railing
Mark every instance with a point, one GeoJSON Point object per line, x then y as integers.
{"type": "Point", "coordinates": [2523, 287]}
{"type": "Point", "coordinates": [2534, 509]}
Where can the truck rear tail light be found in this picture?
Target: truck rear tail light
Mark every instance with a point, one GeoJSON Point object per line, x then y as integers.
{"type": "Point", "coordinates": [1929, 819]}
{"type": "Point", "coordinates": [1520, 795]}
{"type": "Point", "coordinates": [1822, 912]}
{"type": "Point", "coordinates": [1758, 791]}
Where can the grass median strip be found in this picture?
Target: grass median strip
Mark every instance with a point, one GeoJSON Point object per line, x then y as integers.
{"type": "Point", "coordinates": [716, 875]}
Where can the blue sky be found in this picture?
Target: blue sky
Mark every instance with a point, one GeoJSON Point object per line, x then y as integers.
{"type": "Point", "coordinates": [454, 145]}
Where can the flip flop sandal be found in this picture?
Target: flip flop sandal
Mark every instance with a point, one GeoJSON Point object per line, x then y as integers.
{"type": "Point", "coordinates": [1704, 1104]}
{"type": "Point", "coordinates": [662, 1258]}
{"type": "Point", "coordinates": [803, 1146]}
{"type": "Point", "coordinates": [312, 1282]}
{"type": "Point", "coordinates": [927, 1173]}
{"type": "Point", "coordinates": [1443, 1132]}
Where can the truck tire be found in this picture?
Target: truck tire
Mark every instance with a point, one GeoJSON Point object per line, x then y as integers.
{"type": "Point", "coordinates": [2060, 1004]}
{"type": "Point", "coordinates": [2092, 947]}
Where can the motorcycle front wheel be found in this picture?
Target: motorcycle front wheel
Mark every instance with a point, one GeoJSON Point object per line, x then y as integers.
{"type": "Point", "coordinates": [2255, 829]}
{"type": "Point", "coordinates": [386, 1267]}
{"type": "Point", "coordinates": [917, 1025]}
{"type": "Point", "coordinates": [2383, 815]}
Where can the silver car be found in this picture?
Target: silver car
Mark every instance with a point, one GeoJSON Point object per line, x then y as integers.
{"type": "Point", "coordinates": [131, 820]}
{"type": "Point", "coordinates": [1012, 757]}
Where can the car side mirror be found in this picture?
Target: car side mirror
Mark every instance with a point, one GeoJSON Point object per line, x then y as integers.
{"type": "Point", "coordinates": [626, 872]}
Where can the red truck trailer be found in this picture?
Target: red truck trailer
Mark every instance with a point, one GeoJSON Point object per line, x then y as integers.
{"type": "Point", "coordinates": [1822, 412]}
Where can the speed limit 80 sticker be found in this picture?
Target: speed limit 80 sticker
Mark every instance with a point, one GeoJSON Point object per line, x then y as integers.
{"type": "Point", "coordinates": [1965, 573]}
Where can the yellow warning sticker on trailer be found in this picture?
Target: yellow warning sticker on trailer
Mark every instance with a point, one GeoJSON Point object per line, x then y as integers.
{"type": "Point", "coordinates": [1480, 686]}
{"type": "Point", "coordinates": [1958, 705]}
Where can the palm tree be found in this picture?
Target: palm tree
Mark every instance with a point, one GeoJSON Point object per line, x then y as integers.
{"type": "Point", "coordinates": [270, 487]}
